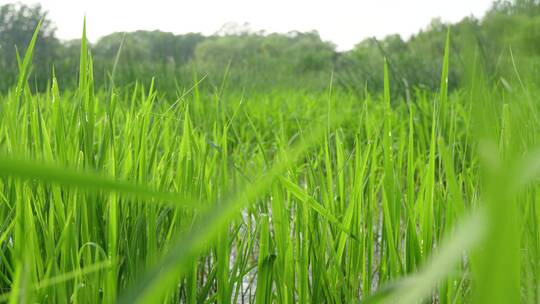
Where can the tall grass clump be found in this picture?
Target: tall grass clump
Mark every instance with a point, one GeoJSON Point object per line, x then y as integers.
{"type": "Point", "coordinates": [121, 195]}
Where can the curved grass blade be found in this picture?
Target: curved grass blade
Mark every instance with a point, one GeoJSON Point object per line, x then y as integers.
{"type": "Point", "coordinates": [30, 170]}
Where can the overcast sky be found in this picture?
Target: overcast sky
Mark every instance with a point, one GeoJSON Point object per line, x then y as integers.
{"type": "Point", "coordinates": [344, 22]}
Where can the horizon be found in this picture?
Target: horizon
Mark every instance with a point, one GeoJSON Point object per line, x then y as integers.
{"type": "Point", "coordinates": [349, 24]}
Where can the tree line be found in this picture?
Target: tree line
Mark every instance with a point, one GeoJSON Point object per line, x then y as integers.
{"type": "Point", "coordinates": [240, 59]}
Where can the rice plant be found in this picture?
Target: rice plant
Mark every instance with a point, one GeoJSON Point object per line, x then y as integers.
{"type": "Point", "coordinates": [124, 195]}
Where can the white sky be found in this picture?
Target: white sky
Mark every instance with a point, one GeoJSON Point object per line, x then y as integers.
{"type": "Point", "coordinates": [344, 22]}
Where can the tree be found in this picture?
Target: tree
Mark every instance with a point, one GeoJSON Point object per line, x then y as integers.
{"type": "Point", "coordinates": [17, 25]}
{"type": "Point", "coordinates": [267, 61]}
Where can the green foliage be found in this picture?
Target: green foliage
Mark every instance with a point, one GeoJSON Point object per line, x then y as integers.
{"type": "Point", "coordinates": [256, 61]}
{"type": "Point", "coordinates": [416, 63]}
{"type": "Point", "coordinates": [155, 53]}
{"type": "Point", "coordinates": [120, 194]}
{"type": "Point", "coordinates": [17, 25]}
{"type": "Point", "coordinates": [267, 62]}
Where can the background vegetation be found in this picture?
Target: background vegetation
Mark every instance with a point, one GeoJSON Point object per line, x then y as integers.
{"type": "Point", "coordinates": [262, 61]}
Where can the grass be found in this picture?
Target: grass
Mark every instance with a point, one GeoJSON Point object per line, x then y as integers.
{"type": "Point", "coordinates": [125, 196]}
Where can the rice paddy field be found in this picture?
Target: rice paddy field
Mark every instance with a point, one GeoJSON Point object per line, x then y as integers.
{"type": "Point", "coordinates": [125, 195]}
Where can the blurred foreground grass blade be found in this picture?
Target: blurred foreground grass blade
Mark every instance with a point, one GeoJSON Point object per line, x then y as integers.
{"type": "Point", "coordinates": [417, 287]}
{"type": "Point", "coordinates": [526, 171]}
{"type": "Point", "coordinates": [187, 246]}
{"type": "Point", "coordinates": [499, 276]}
{"type": "Point", "coordinates": [30, 170]}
